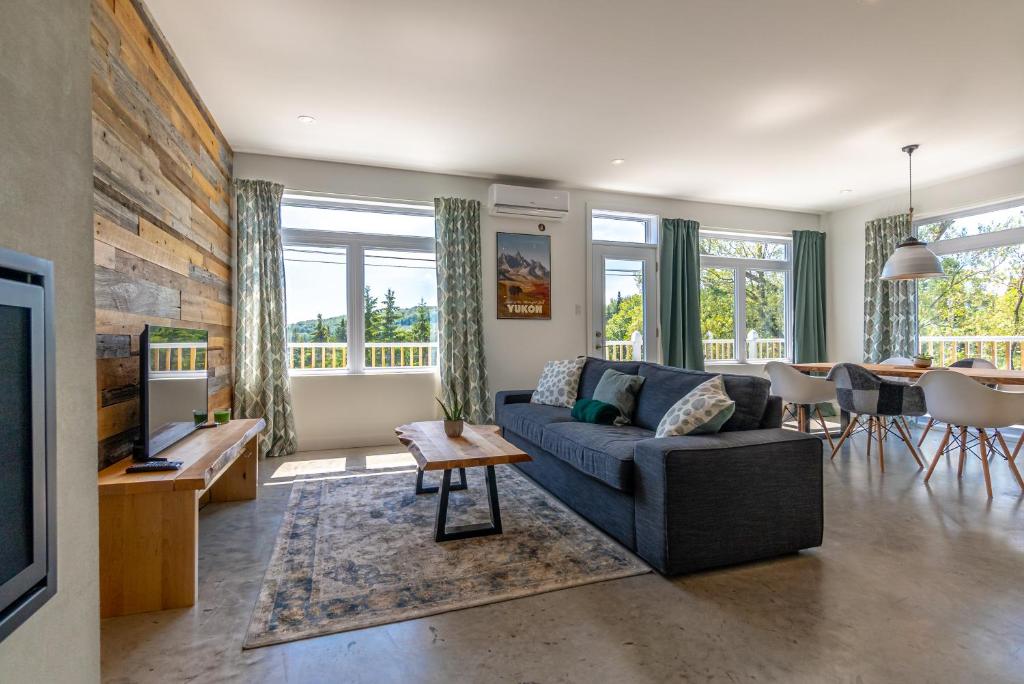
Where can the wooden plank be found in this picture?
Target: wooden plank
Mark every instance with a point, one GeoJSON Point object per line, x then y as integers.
{"type": "Point", "coordinates": [117, 418]}
{"type": "Point", "coordinates": [103, 254]}
{"type": "Point", "coordinates": [118, 237]}
{"type": "Point", "coordinates": [195, 308]}
{"type": "Point", "coordinates": [241, 479]}
{"type": "Point", "coordinates": [140, 269]}
{"type": "Point", "coordinates": [113, 346]}
{"type": "Point", "coordinates": [116, 447]}
{"type": "Point", "coordinates": [119, 292]}
{"type": "Point", "coordinates": [479, 445]}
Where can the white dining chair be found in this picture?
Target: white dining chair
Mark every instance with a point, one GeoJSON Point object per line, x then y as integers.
{"type": "Point", "coordinates": [801, 390]}
{"type": "Point", "coordinates": [962, 363]}
{"type": "Point", "coordinates": [958, 400]}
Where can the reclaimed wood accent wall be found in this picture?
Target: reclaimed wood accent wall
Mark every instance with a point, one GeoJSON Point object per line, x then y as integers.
{"type": "Point", "coordinates": [162, 214]}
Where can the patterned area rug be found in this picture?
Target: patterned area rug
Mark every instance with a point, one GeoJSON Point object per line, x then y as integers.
{"type": "Point", "coordinates": [359, 551]}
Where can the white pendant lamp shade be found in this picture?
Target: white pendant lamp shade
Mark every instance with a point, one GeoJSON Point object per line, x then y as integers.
{"type": "Point", "coordinates": [912, 260]}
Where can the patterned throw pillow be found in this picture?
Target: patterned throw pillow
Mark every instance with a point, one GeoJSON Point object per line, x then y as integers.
{"type": "Point", "coordinates": [704, 410]}
{"type": "Point", "coordinates": [559, 382]}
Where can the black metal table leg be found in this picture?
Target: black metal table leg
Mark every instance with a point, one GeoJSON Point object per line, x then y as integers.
{"type": "Point", "coordinates": [420, 489]}
{"type": "Point", "coordinates": [442, 533]}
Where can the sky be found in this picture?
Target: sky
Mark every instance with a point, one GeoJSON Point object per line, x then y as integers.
{"type": "Point", "coordinates": [535, 247]}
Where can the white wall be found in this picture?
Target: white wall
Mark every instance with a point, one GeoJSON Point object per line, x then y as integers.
{"type": "Point", "coordinates": [516, 350]}
{"type": "Point", "coordinates": [845, 244]}
{"type": "Point", "coordinates": [46, 210]}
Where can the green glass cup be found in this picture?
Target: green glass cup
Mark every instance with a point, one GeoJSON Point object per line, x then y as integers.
{"type": "Point", "coordinates": [200, 416]}
{"type": "Point", "coordinates": [221, 416]}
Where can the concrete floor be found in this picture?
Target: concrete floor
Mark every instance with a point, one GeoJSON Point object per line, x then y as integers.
{"type": "Point", "coordinates": [913, 584]}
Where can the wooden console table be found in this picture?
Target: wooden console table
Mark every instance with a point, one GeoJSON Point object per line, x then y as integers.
{"type": "Point", "coordinates": [149, 522]}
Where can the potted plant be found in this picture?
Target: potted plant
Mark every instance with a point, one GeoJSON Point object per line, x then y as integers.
{"type": "Point", "coordinates": [454, 418]}
{"type": "Point", "coordinates": [922, 361]}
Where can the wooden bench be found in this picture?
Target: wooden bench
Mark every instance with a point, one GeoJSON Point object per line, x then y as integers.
{"type": "Point", "coordinates": [149, 522]}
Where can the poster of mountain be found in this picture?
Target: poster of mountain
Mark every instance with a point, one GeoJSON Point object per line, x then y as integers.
{"type": "Point", "coordinates": [524, 276]}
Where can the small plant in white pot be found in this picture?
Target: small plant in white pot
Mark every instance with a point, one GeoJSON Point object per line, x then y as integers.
{"type": "Point", "coordinates": [454, 417]}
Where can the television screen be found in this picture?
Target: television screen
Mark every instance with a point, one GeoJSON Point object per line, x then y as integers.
{"type": "Point", "coordinates": [175, 377]}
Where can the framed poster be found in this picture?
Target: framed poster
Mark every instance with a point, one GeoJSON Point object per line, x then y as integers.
{"type": "Point", "coordinates": [524, 276]}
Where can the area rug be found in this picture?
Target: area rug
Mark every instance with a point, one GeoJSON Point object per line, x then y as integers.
{"type": "Point", "coordinates": [359, 551]}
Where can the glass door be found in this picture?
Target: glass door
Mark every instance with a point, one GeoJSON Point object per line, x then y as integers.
{"type": "Point", "coordinates": [624, 326]}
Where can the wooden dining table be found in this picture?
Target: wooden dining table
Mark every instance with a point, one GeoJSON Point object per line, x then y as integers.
{"type": "Point", "coordinates": [988, 376]}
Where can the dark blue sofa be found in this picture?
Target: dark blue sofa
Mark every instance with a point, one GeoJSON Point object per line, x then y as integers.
{"type": "Point", "coordinates": [683, 504]}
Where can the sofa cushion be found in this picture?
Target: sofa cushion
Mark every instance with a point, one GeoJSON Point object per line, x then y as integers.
{"type": "Point", "coordinates": [703, 411]}
{"type": "Point", "coordinates": [601, 451]}
{"type": "Point", "coordinates": [664, 386]}
{"type": "Point", "coordinates": [528, 420]}
{"type": "Point", "coordinates": [619, 390]}
{"type": "Point", "coordinates": [594, 370]}
{"type": "Point", "coordinates": [559, 383]}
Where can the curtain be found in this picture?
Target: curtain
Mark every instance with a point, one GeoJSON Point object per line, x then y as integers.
{"type": "Point", "coordinates": [680, 294]}
{"type": "Point", "coordinates": [809, 296]}
{"type": "Point", "coordinates": [262, 388]}
{"type": "Point", "coordinates": [460, 313]}
{"type": "Point", "coordinates": [890, 306]}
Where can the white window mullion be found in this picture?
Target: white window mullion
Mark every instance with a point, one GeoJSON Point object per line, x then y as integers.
{"type": "Point", "coordinates": [741, 314]}
{"type": "Point", "coordinates": [356, 333]}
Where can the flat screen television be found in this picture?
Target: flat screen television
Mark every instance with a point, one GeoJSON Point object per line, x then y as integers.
{"type": "Point", "coordinates": [28, 532]}
{"type": "Point", "coordinates": [173, 387]}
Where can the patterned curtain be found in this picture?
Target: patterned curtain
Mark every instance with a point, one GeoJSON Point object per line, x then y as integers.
{"type": "Point", "coordinates": [890, 306]}
{"type": "Point", "coordinates": [262, 388]}
{"type": "Point", "coordinates": [681, 344]}
{"type": "Point", "coordinates": [460, 313]}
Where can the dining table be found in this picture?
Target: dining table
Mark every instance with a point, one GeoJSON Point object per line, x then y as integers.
{"type": "Point", "coordinates": [987, 376]}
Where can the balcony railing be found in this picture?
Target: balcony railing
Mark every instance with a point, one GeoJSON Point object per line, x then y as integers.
{"type": "Point", "coordinates": [724, 349]}
{"type": "Point", "coordinates": [332, 355]}
{"type": "Point", "coordinates": [1004, 351]}
{"type": "Point", "coordinates": [165, 357]}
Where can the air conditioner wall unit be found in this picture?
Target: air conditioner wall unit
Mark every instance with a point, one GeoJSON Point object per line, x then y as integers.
{"type": "Point", "coordinates": [521, 202]}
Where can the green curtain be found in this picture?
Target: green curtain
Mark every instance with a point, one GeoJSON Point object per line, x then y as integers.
{"type": "Point", "coordinates": [680, 294]}
{"type": "Point", "coordinates": [890, 306]}
{"type": "Point", "coordinates": [262, 388]}
{"type": "Point", "coordinates": [460, 313]}
{"type": "Point", "coordinates": [809, 296]}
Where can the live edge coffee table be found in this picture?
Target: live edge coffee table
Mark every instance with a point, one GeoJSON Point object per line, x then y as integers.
{"type": "Point", "coordinates": [479, 446]}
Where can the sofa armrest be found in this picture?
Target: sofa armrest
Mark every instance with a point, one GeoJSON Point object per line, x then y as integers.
{"type": "Point", "coordinates": [709, 500]}
{"type": "Point", "coordinates": [772, 417]}
{"type": "Point", "coordinates": [512, 397]}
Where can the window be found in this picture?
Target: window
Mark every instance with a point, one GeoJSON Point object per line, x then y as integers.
{"type": "Point", "coordinates": [373, 259]}
{"type": "Point", "coordinates": [623, 290]}
{"type": "Point", "coordinates": [744, 298]}
{"type": "Point", "coordinates": [977, 310]}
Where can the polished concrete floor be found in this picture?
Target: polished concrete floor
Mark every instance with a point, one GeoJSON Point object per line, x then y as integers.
{"type": "Point", "coordinates": [913, 584]}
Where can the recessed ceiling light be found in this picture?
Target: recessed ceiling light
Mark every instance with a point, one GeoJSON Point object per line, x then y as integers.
{"type": "Point", "coordinates": [306, 119]}
{"type": "Point", "coordinates": [846, 191]}
{"type": "Point", "coordinates": [618, 161]}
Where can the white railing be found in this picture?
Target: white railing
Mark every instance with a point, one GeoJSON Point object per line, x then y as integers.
{"type": "Point", "coordinates": [625, 350]}
{"type": "Point", "coordinates": [330, 355]}
{"type": "Point", "coordinates": [724, 349]}
{"type": "Point", "coordinates": [1004, 351]}
{"type": "Point", "coordinates": [177, 356]}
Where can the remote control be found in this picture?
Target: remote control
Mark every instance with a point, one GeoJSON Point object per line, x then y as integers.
{"type": "Point", "coordinates": [152, 466]}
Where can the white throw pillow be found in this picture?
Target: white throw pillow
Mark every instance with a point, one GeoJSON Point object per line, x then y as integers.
{"type": "Point", "coordinates": [704, 410]}
{"type": "Point", "coordinates": [559, 382]}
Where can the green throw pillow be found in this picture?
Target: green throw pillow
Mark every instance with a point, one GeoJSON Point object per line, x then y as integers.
{"type": "Point", "coordinates": [703, 411]}
{"type": "Point", "coordinates": [593, 411]}
{"type": "Point", "coordinates": [619, 390]}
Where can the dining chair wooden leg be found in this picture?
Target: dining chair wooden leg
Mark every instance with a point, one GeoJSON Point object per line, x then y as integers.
{"type": "Point", "coordinates": [824, 426]}
{"type": "Point", "coordinates": [910, 444]}
{"type": "Point", "coordinates": [931, 421]}
{"type": "Point", "coordinates": [983, 440]}
{"type": "Point", "coordinates": [880, 431]}
{"type": "Point", "coordinates": [938, 452]}
{"type": "Point", "coordinates": [1016, 449]}
{"type": "Point", "coordinates": [803, 424]}
{"type": "Point", "coordinates": [963, 452]}
{"type": "Point", "coordinates": [846, 433]}
{"type": "Point", "coordinates": [1010, 461]}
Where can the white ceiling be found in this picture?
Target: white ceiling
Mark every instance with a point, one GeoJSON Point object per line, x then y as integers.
{"type": "Point", "coordinates": [777, 103]}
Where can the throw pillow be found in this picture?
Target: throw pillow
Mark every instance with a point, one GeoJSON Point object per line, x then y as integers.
{"type": "Point", "coordinates": [559, 382]}
{"type": "Point", "coordinates": [703, 410]}
{"type": "Point", "coordinates": [594, 411]}
{"type": "Point", "coordinates": [619, 390]}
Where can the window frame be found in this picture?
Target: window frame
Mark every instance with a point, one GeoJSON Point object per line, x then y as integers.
{"type": "Point", "coordinates": [739, 266]}
{"type": "Point", "coordinates": [973, 243]}
{"type": "Point", "coordinates": [628, 251]}
{"type": "Point", "coordinates": [356, 245]}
